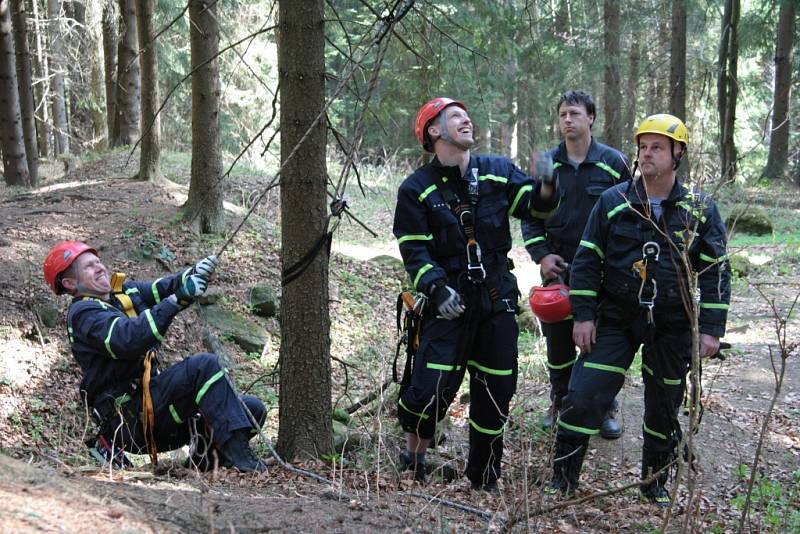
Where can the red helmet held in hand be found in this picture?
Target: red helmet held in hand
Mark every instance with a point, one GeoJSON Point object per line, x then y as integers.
{"type": "Point", "coordinates": [427, 113]}
{"type": "Point", "coordinates": [550, 303]}
{"type": "Point", "coordinates": [60, 258]}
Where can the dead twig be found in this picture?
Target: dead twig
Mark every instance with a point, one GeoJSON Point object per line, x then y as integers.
{"type": "Point", "coordinates": [786, 350]}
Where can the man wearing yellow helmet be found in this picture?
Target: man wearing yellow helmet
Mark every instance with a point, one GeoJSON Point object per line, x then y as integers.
{"type": "Point", "coordinates": [629, 290]}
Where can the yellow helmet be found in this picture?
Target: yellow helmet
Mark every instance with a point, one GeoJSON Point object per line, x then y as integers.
{"type": "Point", "coordinates": [664, 124]}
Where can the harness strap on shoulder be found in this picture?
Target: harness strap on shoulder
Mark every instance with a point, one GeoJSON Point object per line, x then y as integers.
{"type": "Point", "coordinates": [117, 280]}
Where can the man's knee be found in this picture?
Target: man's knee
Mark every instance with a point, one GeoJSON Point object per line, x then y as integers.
{"type": "Point", "coordinates": [256, 408]}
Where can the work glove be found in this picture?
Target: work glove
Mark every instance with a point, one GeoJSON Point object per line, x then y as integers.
{"type": "Point", "coordinates": [448, 302]}
{"type": "Point", "coordinates": [544, 169]}
{"type": "Point", "coordinates": [206, 266]}
{"type": "Point", "coordinates": [194, 286]}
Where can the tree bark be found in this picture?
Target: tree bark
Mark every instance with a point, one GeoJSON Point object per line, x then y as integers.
{"type": "Point", "coordinates": [60, 126]}
{"type": "Point", "coordinates": [126, 125]}
{"type": "Point", "coordinates": [205, 192]}
{"type": "Point", "coordinates": [94, 27]}
{"type": "Point", "coordinates": [612, 133]}
{"type": "Point", "coordinates": [631, 89]}
{"type": "Point", "coordinates": [25, 86]}
{"type": "Point", "coordinates": [677, 61]}
{"type": "Point", "coordinates": [15, 165]}
{"type": "Point", "coordinates": [110, 43]}
{"type": "Point", "coordinates": [305, 424]}
{"type": "Point", "coordinates": [779, 134]}
{"type": "Point", "coordinates": [727, 88]}
{"type": "Point", "coordinates": [151, 139]}
{"type": "Point", "coordinates": [677, 70]}
{"type": "Point", "coordinates": [41, 89]}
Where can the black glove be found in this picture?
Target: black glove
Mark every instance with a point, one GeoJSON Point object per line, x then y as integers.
{"type": "Point", "coordinates": [448, 302]}
{"type": "Point", "coordinates": [544, 169]}
{"type": "Point", "coordinates": [194, 286]}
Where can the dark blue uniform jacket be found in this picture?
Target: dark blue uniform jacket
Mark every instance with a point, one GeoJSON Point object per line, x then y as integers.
{"type": "Point", "coordinates": [618, 227]}
{"type": "Point", "coordinates": [432, 240]}
{"type": "Point", "coordinates": [109, 345]}
{"type": "Point", "coordinates": [579, 189]}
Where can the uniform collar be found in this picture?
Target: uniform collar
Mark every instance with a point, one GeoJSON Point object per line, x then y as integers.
{"type": "Point", "coordinates": [453, 172]}
{"type": "Point", "coordinates": [638, 195]}
{"type": "Point", "coordinates": [594, 154]}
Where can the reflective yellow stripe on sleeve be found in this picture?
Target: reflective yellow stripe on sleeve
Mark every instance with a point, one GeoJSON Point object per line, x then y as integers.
{"type": "Point", "coordinates": [153, 327]}
{"type": "Point", "coordinates": [590, 245]}
{"type": "Point", "coordinates": [108, 338]}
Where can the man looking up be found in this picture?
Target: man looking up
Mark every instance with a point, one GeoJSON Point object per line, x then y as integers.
{"type": "Point", "coordinates": [452, 227]}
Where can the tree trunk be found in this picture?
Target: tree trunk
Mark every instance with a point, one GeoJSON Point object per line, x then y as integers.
{"type": "Point", "coordinates": [631, 89]}
{"type": "Point", "coordinates": [94, 27]}
{"type": "Point", "coordinates": [41, 89]}
{"type": "Point", "coordinates": [60, 127]}
{"type": "Point", "coordinates": [126, 126]}
{"type": "Point", "coordinates": [151, 138]}
{"type": "Point", "coordinates": [677, 61]}
{"type": "Point", "coordinates": [612, 133]}
{"type": "Point", "coordinates": [110, 43]}
{"type": "Point", "coordinates": [677, 69]}
{"type": "Point", "coordinates": [25, 86]}
{"type": "Point", "coordinates": [15, 165]}
{"type": "Point", "coordinates": [205, 191]}
{"type": "Point", "coordinates": [727, 88]}
{"type": "Point", "coordinates": [779, 135]}
{"type": "Point", "coordinates": [305, 424]}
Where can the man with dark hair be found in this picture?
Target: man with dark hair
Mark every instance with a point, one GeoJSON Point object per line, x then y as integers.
{"type": "Point", "coordinates": [644, 242]}
{"type": "Point", "coordinates": [585, 168]}
{"type": "Point", "coordinates": [115, 326]}
{"type": "Point", "coordinates": [452, 227]}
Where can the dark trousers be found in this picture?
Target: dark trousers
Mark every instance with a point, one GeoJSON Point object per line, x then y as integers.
{"type": "Point", "coordinates": [561, 356]}
{"type": "Point", "coordinates": [439, 369]}
{"type": "Point", "coordinates": [195, 385]}
{"type": "Point", "coordinates": [598, 376]}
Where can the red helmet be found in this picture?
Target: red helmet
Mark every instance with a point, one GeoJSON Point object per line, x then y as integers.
{"type": "Point", "coordinates": [427, 113]}
{"type": "Point", "coordinates": [551, 303]}
{"type": "Point", "coordinates": [60, 258]}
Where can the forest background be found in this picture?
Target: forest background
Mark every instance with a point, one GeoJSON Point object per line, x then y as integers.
{"type": "Point", "coordinates": [264, 112]}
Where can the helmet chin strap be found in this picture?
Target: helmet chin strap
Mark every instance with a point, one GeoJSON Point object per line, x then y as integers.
{"type": "Point", "coordinates": [446, 134]}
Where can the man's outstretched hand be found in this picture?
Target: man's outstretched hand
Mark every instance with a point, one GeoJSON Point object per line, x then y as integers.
{"type": "Point", "coordinates": [206, 266]}
{"type": "Point", "coordinates": [194, 286]}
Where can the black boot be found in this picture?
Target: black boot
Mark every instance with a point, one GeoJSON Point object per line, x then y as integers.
{"type": "Point", "coordinates": [238, 452]}
{"type": "Point", "coordinates": [656, 491]}
{"type": "Point", "coordinates": [567, 466]}
{"type": "Point", "coordinates": [611, 429]}
{"type": "Point", "coordinates": [408, 462]}
{"type": "Point", "coordinates": [551, 415]}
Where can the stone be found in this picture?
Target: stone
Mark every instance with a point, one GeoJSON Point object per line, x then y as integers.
{"type": "Point", "coordinates": [740, 265]}
{"type": "Point", "coordinates": [263, 301]}
{"type": "Point", "coordinates": [211, 296]}
{"type": "Point", "coordinates": [248, 335]}
{"type": "Point", "coordinates": [48, 314]}
{"type": "Point", "coordinates": [750, 220]}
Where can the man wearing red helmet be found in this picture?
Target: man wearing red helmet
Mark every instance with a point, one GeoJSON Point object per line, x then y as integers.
{"type": "Point", "coordinates": [644, 243]}
{"type": "Point", "coordinates": [451, 224]}
{"type": "Point", "coordinates": [585, 168]}
{"type": "Point", "coordinates": [113, 324]}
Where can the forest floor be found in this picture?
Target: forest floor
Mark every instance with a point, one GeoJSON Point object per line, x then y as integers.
{"type": "Point", "coordinates": [48, 483]}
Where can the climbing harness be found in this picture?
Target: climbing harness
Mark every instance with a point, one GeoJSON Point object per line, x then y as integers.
{"type": "Point", "coordinates": [646, 268]}
{"type": "Point", "coordinates": [409, 327]}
